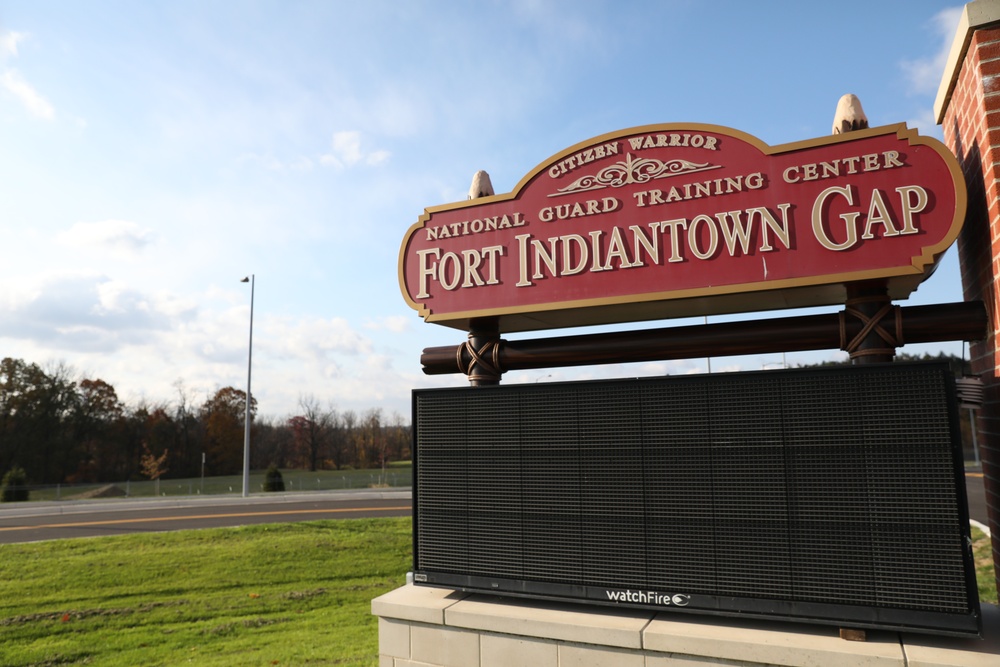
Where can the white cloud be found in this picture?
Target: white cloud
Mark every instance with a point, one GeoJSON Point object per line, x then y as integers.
{"type": "Point", "coordinates": [377, 157]}
{"type": "Point", "coordinates": [315, 340]}
{"type": "Point", "coordinates": [15, 84]}
{"type": "Point", "coordinates": [925, 121]}
{"type": "Point", "coordinates": [80, 312]}
{"type": "Point", "coordinates": [924, 74]}
{"type": "Point", "coordinates": [120, 238]}
{"type": "Point", "coordinates": [8, 42]}
{"type": "Point", "coordinates": [394, 323]}
{"type": "Point", "coordinates": [347, 152]}
{"type": "Point", "coordinates": [142, 342]}
{"type": "Point", "coordinates": [25, 93]}
{"type": "Point", "coordinates": [347, 146]}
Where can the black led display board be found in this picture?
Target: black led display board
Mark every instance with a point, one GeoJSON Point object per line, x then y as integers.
{"type": "Point", "coordinates": [831, 495]}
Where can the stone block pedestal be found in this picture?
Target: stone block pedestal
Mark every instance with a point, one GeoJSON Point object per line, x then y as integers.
{"type": "Point", "coordinates": [431, 627]}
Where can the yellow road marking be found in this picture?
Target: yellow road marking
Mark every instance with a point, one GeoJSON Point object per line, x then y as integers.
{"type": "Point", "coordinates": [973, 474]}
{"type": "Point", "coordinates": [112, 522]}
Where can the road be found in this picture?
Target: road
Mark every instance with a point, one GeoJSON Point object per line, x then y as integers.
{"type": "Point", "coordinates": [32, 522]}
{"type": "Point", "coordinates": [976, 493]}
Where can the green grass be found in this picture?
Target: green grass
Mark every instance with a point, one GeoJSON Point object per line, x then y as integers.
{"type": "Point", "coordinates": [290, 594]}
{"type": "Point", "coordinates": [982, 553]}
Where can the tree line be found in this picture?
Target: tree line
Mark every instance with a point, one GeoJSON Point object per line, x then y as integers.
{"type": "Point", "coordinates": [60, 429]}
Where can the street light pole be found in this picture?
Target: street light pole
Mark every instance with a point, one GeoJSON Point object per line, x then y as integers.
{"type": "Point", "coordinates": [246, 418]}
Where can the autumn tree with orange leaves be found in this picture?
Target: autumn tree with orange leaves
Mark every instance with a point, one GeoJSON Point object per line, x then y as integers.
{"type": "Point", "coordinates": [223, 416]}
{"type": "Point", "coordinates": [60, 428]}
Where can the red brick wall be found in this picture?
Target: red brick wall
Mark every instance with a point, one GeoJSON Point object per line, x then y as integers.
{"type": "Point", "coordinates": [971, 126]}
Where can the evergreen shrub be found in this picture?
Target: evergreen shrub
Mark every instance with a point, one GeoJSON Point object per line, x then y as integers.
{"type": "Point", "coordinates": [273, 480]}
{"type": "Point", "coordinates": [14, 487]}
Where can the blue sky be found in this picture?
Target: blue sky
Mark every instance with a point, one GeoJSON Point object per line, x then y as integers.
{"type": "Point", "coordinates": [154, 153]}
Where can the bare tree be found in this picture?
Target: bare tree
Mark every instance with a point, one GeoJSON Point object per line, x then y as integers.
{"type": "Point", "coordinates": [399, 438]}
{"type": "Point", "coordinates": [346, 440]}
{"type": "Point", "coordinates": [371, 439]}
{"type": "Point", "coordinates": [273, 444]}
{"type": "Point", "coordinates": [313, 430]}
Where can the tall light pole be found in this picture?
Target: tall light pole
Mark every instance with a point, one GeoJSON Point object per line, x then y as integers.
{"type": "Point", "coordinates": [246, 419]}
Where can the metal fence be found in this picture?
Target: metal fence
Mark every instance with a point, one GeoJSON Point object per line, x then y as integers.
{"type": "Point", "coordinates": [294, 480]}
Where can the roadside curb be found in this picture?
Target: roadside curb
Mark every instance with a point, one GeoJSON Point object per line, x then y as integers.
{"type": "Point", "coordinates": [62, 507]}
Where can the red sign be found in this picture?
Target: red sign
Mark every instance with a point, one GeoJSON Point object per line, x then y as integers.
{"type": "Point", "coordinates": [678, 220]}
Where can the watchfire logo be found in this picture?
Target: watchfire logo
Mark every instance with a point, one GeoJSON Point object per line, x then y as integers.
{"type": "Point", "coordinates": [650, 597]}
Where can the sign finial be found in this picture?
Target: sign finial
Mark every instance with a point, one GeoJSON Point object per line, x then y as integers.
{"type": "Point", "coordinates": [849, 116]}
{"type": "Point", "coordinates": [481, 186]}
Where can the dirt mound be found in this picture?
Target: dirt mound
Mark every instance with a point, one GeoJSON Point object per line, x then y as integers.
{"type": "Point", "coordinates": [108, 491]}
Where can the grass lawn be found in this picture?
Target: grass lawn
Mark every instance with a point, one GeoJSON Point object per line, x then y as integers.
{"type": "Point", "coordinates": [290, 594]}
{"type": "Point", "coordinates": [982, 553]}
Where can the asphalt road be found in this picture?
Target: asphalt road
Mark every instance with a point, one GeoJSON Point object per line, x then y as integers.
{"type": "Point", "coordinates": [976, 493]}
{"type": "Point", "coordinates": [31, 522]}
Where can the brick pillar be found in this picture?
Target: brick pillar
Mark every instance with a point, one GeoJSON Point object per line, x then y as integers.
{"type": "Point", "coordinates": [968, 109]}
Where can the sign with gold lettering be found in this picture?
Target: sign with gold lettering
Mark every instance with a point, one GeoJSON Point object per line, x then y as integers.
{"type": "Point", "coordinates": [678, 220]}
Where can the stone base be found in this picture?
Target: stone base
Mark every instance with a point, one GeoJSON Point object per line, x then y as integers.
{"type": "Point", "coordinates": [431, 627]}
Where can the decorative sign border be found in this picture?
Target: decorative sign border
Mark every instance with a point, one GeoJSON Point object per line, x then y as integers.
{"type": "Point", "coordinates": [677, 220]}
